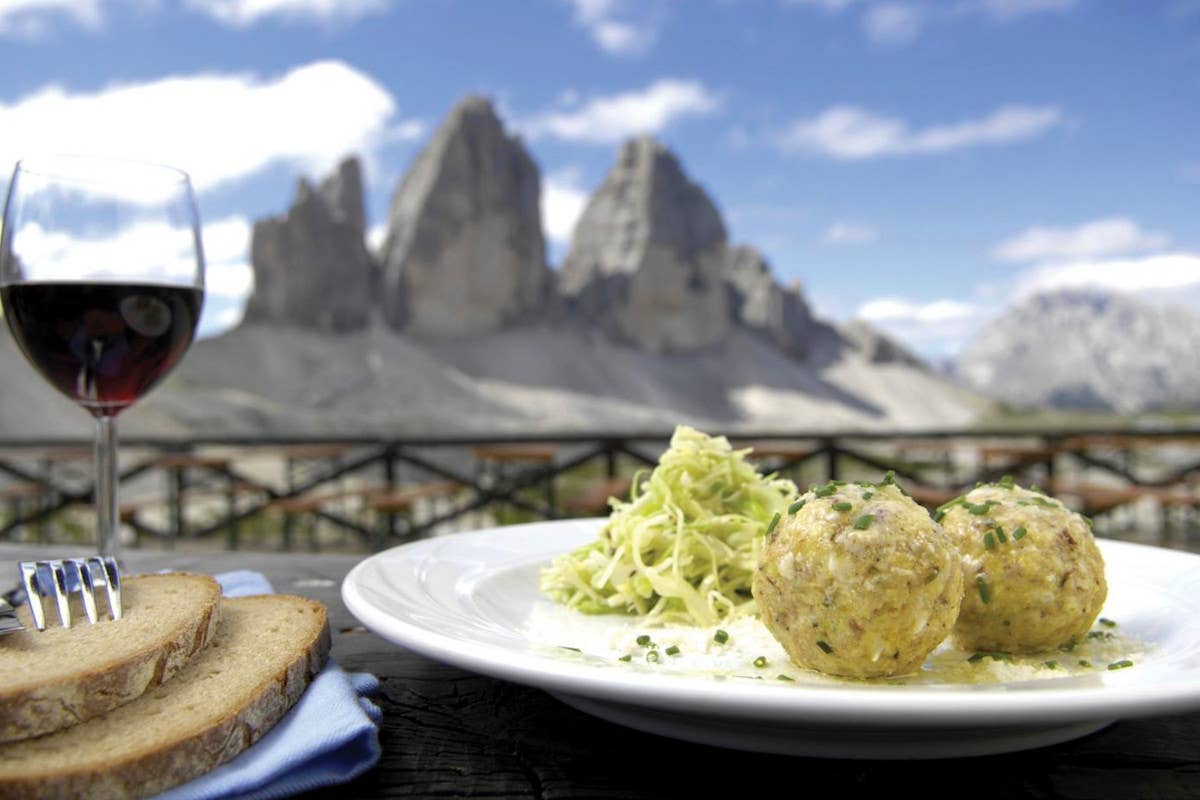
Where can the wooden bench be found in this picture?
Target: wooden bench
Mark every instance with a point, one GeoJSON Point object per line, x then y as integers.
{"type": "Point", "coordinates": [1098, 498]}
{"type": "Point", "coordinates": [593, 498]}
{"type": "Point", "coordinates": [492, 460]}
{"type": "Point", "coordinates": [402, 499]}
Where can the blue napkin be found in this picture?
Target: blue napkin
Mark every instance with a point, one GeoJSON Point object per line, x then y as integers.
{"type": "Point", "coordinates": [329, 736]}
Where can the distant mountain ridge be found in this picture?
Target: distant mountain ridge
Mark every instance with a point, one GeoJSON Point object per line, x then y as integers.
{"type": "Point", "coordinates": [1088, 350]}
{"type": "Point", "coordinates": [458, 325]}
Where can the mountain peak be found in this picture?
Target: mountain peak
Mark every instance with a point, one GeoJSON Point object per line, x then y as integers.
{"type": "Point", "coordinates": [1087, 349]}
{"type": "Point", "coordinates": [464, 251]}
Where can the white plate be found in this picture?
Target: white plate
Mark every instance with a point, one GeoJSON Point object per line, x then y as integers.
{"type": "Point", "coordinates": [472, 600]}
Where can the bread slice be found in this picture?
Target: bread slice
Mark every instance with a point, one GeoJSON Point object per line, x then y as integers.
{"type": "Point", "coordinates": [63, 676]}
{"type": "Point", "coordinates": [266, 650]}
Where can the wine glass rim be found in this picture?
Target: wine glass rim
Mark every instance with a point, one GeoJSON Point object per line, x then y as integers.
{"type": "Point", "coordinates": [54, 166]}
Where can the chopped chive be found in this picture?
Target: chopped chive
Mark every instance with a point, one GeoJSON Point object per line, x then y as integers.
{"type": "Point", "coordinates": [1050, 664]}
{"type": "Point", "coordinates": [644, 639]}
{"type": "Point", "coordinates": [720, 637]}
{"type": "Point", "coordinates": [1100, 635]}
{"type": "Point", "coordinates": [989, 541]}
{"type": "Point", "coordinates": [825, 491]}
{"type": "Point", "coordinates": [843, 507]}
{"type": "Point", "coordinates": [1006, 482]}
{"type": "Point", "coordinates": [673, 650]}
{"type": "Point", "coordinates": [760, 662]}
{"type": "Point", "coordinates": [652, 656]}
{"type": "Point", "coordinates": [1019, 534]}
{"type": "Point", "coordinates": [868, 495]}
{"type": "Point", "coordinates": [824, 646]}
{"type": "Point", "coordinates": [1001, 535]}
{"type": "Point", "coordinates": [783, 678]}
{"type": "Point", "coordinates": [796, 506]}
{"type": "Point", "coordinates": [979, 509]}
{"type": "Point", "coordinates": [889, 478]}
{"type": "Point", "coordinates": [939, 515]}
{"type": "Point", "coordinates": [985, 594]}
{"type": "Point", "coordinates": [1089, 521]}
{"type": "Point", "coordinates": [1044, 503]}
{"type": "Point", "coordinates": [774, 522]}
{"type": "Point", "coordinates": [572, 649]}
{"type": "Point", "coordinates": [1033, 487]}
{"type": "Point", "coordinates": [932, 576]}
{"type": "Point", "coordinates": [1108, 623]}
{"type": "Point", "coordinates": [864, 522]}
{"type": "Point", "coordinates": [1122, 664]}
{"type": "Point", "coordinates": [1083, 662]}
{"type": "Point", "coordinates": [977, 657]}
{"type": "Point", "coordinates": [626, 657]}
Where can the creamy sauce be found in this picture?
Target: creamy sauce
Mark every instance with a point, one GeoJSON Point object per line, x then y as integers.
{"type": "Point", "coordinates": [750, 652]}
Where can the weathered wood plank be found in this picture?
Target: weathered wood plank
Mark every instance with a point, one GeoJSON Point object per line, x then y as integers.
{"type": "Point", "coordinates": [450, 733]}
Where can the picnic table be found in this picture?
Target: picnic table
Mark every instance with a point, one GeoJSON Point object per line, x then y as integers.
{"type": "Point", "coordinates": [451, 733]}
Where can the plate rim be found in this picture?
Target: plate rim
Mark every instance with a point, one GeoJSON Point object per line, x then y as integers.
{"type": "Point", "coordinates": [913, 706]}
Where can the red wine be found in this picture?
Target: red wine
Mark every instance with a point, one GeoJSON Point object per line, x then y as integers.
{"type": "Point", "coordinates": [103, 345]}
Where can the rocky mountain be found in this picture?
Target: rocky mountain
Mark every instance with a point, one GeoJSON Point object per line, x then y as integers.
{"type": "Point", "coordinates": [311, 266]}
{"type": "Point", "coordinates": [758, 301]}
{"type": "Point", "coordinates": [464, 252]}
{"type": "Point", "coordinates": [1090, 350]}
{"type": "Point", "coordinates": [647, 260]}
{"type": "Point", "coordinates": [877, 347]}
{"type": "Point", "coordinates": [459, 326]}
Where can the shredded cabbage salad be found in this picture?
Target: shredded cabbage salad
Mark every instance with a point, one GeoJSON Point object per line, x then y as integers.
{"type": "Point", "coordinates": [683, 548]}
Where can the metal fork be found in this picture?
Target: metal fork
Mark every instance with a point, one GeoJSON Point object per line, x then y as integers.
{"type": "Point", "coordinates": [59, 578]}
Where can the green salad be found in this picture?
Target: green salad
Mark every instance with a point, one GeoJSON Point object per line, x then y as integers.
{"type": "Point", "coordinates": [683, 548]}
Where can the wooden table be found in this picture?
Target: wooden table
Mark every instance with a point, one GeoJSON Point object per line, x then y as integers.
{"type": "Point", "coordinates": [450, 733]}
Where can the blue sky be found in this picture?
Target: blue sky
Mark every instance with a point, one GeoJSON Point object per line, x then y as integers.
{"type": "Point", "coordinates": [922, 164]}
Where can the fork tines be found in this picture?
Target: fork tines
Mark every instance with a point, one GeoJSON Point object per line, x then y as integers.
{"type": "Point", "coordinates": [60, 578]}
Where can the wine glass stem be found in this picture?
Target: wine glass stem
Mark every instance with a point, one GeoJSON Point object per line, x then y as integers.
{"type": "Point", "coordinates": [107, 537]}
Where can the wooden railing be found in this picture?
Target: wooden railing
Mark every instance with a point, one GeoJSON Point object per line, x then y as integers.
{"type": "Point", "coordinates": [382, 480]}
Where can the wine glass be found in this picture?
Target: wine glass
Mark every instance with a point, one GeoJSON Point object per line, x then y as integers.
{"type": "Point", "coordinates": [102, 281]}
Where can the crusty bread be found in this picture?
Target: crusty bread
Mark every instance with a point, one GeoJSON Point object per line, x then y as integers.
{"type": "Point", "coordinates": [63, 676]}
{"type": "Point", "coordinates": [266, 650]}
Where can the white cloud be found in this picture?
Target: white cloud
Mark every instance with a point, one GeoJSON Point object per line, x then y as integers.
{"type": "Point", "coordinates": [893, 24]}
{"type": "Point", "coordinates": [245, 13]}
{"type": "Point", "coordinates": [850, 133]}
{"type": "Point", "coordinates": [937, 328]}
{"type": "Point", "coordinates": [1153, 274]}
{"type": "Point", "coordinates": [892, 309]}
{"type": "Point", "coordinates": [408, 130]}
{"type": "Point", "coordinates": [1012, 9]}
{"type": "Point", "coordinates": [142, 250]}
{"type": "Point", "coordinates": [375, 236]}
{"type": "Point", "coordinates": [610, 119]}
{"type": "Point", "coordinates": [28, 18]}
{"type": "Point", "coordinates": [563, 201]}
{"type": "Point", "coordinates": [850, 233]}
{"type": "Point", "coordinates": [1101, 237]}
{"type": "Point", "coordinates": [220, 128]}
{"type": "Point", "coordinates": [228, 317]}
{"type": "Point", "coordinates": [227, 253]}
{"type": "Point", "coordinates": [617, 26]}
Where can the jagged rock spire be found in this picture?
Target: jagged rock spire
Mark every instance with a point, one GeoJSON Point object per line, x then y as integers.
{"type": "Point", "coordinates": [311, 267]}
{"type": "Point", "coordinates": [759, 302]}
{"type": "Point", "coordinates": [464, 251]}
{"type": "Point", "coordinates": [648, 254]}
